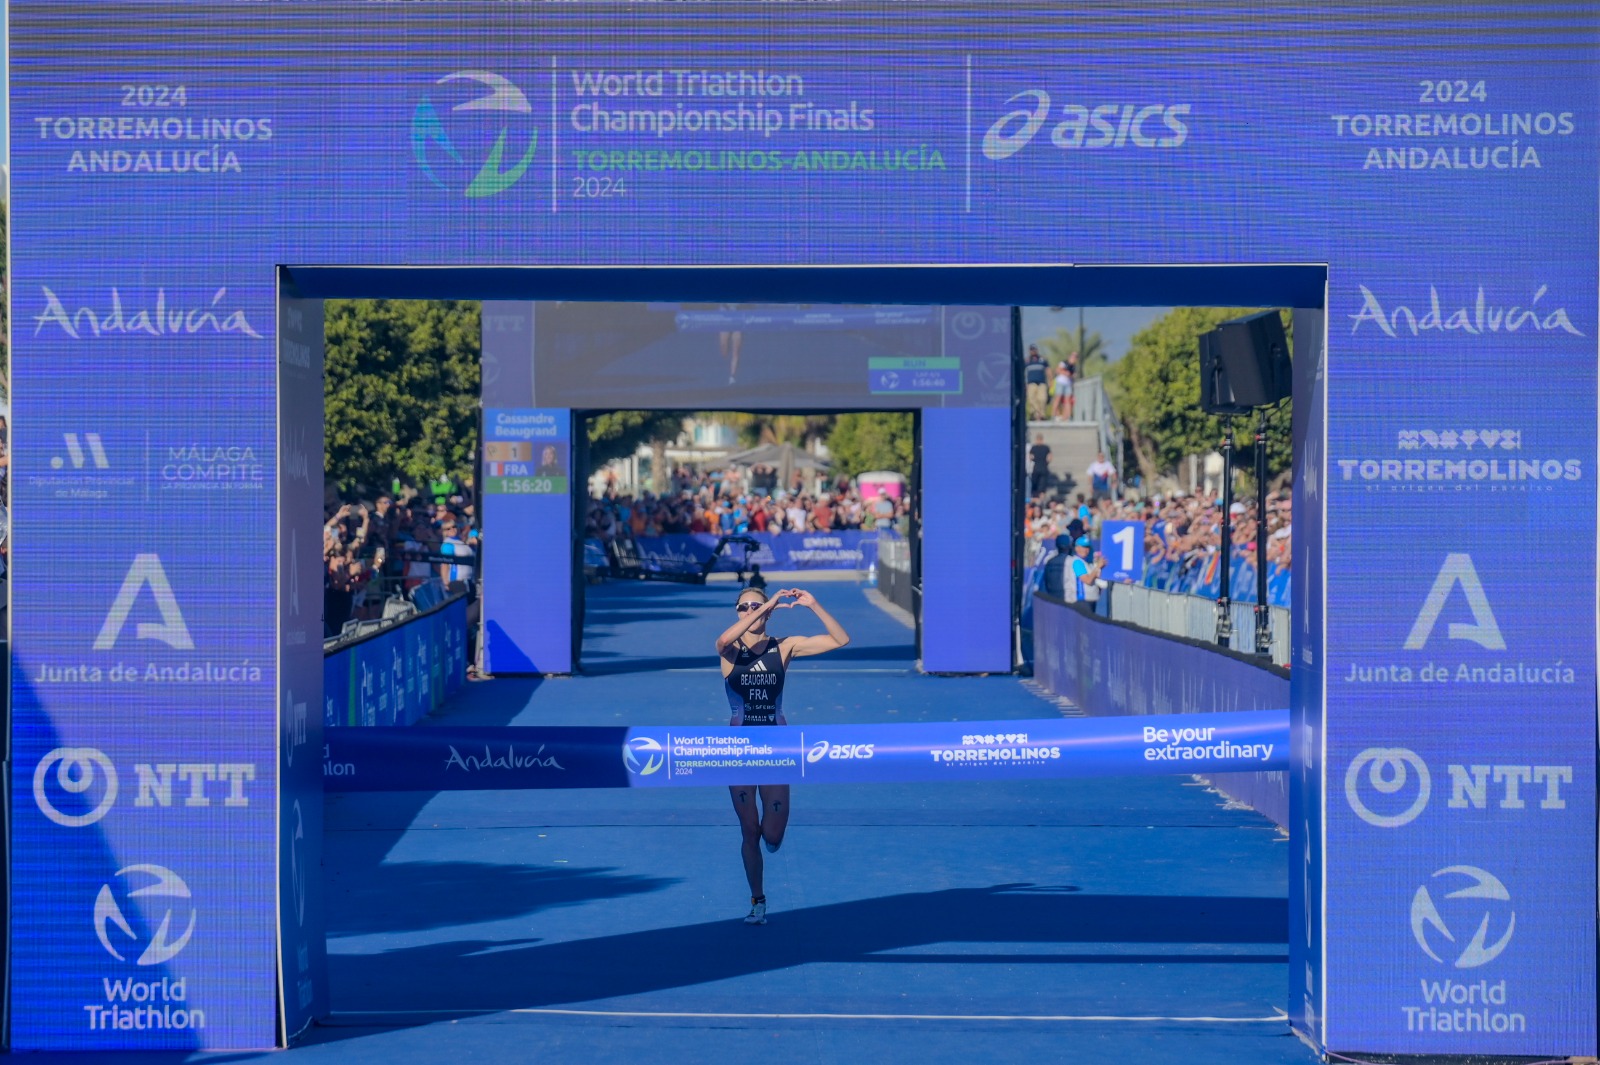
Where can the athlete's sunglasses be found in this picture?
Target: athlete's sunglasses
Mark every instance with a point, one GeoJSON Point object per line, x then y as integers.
{"type": "Point", "coordinates": [745, 608]}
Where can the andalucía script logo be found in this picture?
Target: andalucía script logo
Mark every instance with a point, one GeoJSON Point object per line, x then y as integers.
{"type": "Point", "coordinates": [157, 317]}
{"type": "Point", "coordinates": [483, 144]}
{"type": "Point", "coordinates": [1475, 315]}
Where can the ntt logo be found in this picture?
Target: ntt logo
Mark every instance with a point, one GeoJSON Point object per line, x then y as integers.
{"type": "Point", "coordinates": [1103, 126]}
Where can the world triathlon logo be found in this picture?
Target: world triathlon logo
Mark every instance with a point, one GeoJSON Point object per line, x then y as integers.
{"type": "Point", "coordinates": [1489, 904]}
{"type": "Point", "coordinates": [643, 755]}
{"type": "Point", "coordinates": [482, 144]}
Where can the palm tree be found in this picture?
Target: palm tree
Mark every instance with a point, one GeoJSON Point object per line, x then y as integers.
{"type": "Point", "coordinates": [1090, 346]}
{"type": "Point", "coordinates": [754, 429]}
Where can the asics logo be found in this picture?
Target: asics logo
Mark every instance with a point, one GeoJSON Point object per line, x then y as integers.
{"type": "Point", "coordinates": [1114, 125]}
{"type": "Point", "coordinates": [831, 751]}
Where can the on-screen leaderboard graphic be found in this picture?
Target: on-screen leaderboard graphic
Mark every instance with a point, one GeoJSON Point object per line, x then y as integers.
{"type": "Point", "coordinates": [381, 759]}
{"type": "Point", "coordinates": [476, 134]}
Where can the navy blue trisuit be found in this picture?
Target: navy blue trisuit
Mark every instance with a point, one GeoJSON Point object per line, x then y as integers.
{"type": "Point", "coordinates": [755, 684]}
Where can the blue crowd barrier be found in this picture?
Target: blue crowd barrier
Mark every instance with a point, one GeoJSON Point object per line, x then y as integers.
{"type": "Point", "coordinates": [851, 549]}
{"type": "Point", "coordinates": [399, 675]}
{"type": "Point", "coordinates": [1202, 575]}
{"type": "Point", "coordinates": [1114, 670]}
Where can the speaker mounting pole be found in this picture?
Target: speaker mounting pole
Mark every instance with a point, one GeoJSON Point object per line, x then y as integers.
{"type": "Point", "coordinates": [1225, 550]}
{"type": "Point", "coordinates": [1263, 619]}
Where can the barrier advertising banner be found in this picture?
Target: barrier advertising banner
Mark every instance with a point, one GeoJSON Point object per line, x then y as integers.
{"type": "Point", "coordinates": [848, 549]}
{"type": "Point", "coordinates": [400, 675]}
{"type": "Point", "coordinates": [1111, 669]}
{"type": "Point", "coordinates": [470, 759]}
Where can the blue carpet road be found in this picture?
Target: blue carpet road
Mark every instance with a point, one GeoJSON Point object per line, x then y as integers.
{"type": "Point", "coordinates": [1031, 921]}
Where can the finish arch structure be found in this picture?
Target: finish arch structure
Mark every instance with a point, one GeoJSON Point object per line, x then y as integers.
{"type": "Point", "coordinates": [1439, 159]}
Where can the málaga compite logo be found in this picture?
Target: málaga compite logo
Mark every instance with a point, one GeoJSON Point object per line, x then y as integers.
{"type": "Point", "coordinates": [480, 146]}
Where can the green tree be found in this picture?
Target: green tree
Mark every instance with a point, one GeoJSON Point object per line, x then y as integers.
{"type": "Point", "coordinates": [871, 441]}
{"type": "Point", "coordinates": [762, 428]}
{"type": "Point", "coordinates": [401, 391]}
{"type": "Point", "coordinates": [1155, 388]}
{"type": "Point", "coordinates": [618, 433]}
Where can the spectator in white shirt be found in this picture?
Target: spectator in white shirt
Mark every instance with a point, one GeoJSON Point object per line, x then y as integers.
{"type": "Point", "coordinates": [1102, 475]}
{"type": "Point", "coordinates": [453, 545]}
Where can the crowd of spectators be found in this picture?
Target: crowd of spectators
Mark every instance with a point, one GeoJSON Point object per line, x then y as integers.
{"type": "Point", "coordinates": [392, 545]}
{"type": "Point", "coordinates": [732, 500]}
{"type": "Point", "coordinates": [1182, 527]}
{"type": "Point", "coordinates": [1049, 389]}
{"type": "Point", "coordinates": [5, 522]}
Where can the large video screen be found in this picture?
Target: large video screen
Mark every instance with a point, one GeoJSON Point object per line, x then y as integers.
{"type": "Point", "coordinates": [769, 356]}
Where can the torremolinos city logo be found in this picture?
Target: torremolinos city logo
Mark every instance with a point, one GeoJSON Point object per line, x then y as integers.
{"type": "Point", "coordinates": [1106, 125]}
{"type": "Point", "coordinates": [1460, 458]}
{"type": "Point", "coordinates": [482, 144]}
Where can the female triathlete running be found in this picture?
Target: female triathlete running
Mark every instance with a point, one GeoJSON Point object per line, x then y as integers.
{"type": "Point", "coordinates": [753, 668]}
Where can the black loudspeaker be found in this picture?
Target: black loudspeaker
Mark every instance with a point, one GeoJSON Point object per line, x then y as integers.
{"type": "Point", "coordinates": [1216, 391]}
{"type": "Point", "coordinates": [1255, 359]}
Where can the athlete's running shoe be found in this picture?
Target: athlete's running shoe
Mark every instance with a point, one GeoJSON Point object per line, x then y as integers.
{"type": "Point", "coordinates": [757, 914]}
{"type": "Point", "coordinates": [772, 848]}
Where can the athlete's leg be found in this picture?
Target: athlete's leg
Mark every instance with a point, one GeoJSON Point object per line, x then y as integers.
{"type": "Point", "coordinates": [748, 807]}
{"type": "Point", "coordinates": [733, 367]}
{"type": "Point", "coordinates": [774, 814]}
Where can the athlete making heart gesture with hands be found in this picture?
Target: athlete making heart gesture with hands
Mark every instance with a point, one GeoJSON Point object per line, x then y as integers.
{"type": "Point", "coordinates": [753, 667]}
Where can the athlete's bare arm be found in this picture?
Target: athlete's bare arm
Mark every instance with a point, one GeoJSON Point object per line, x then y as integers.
{"type": "Point", "coordinates": [727, 643]}
{"type": "Point", "coordinates": [831, 640]}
